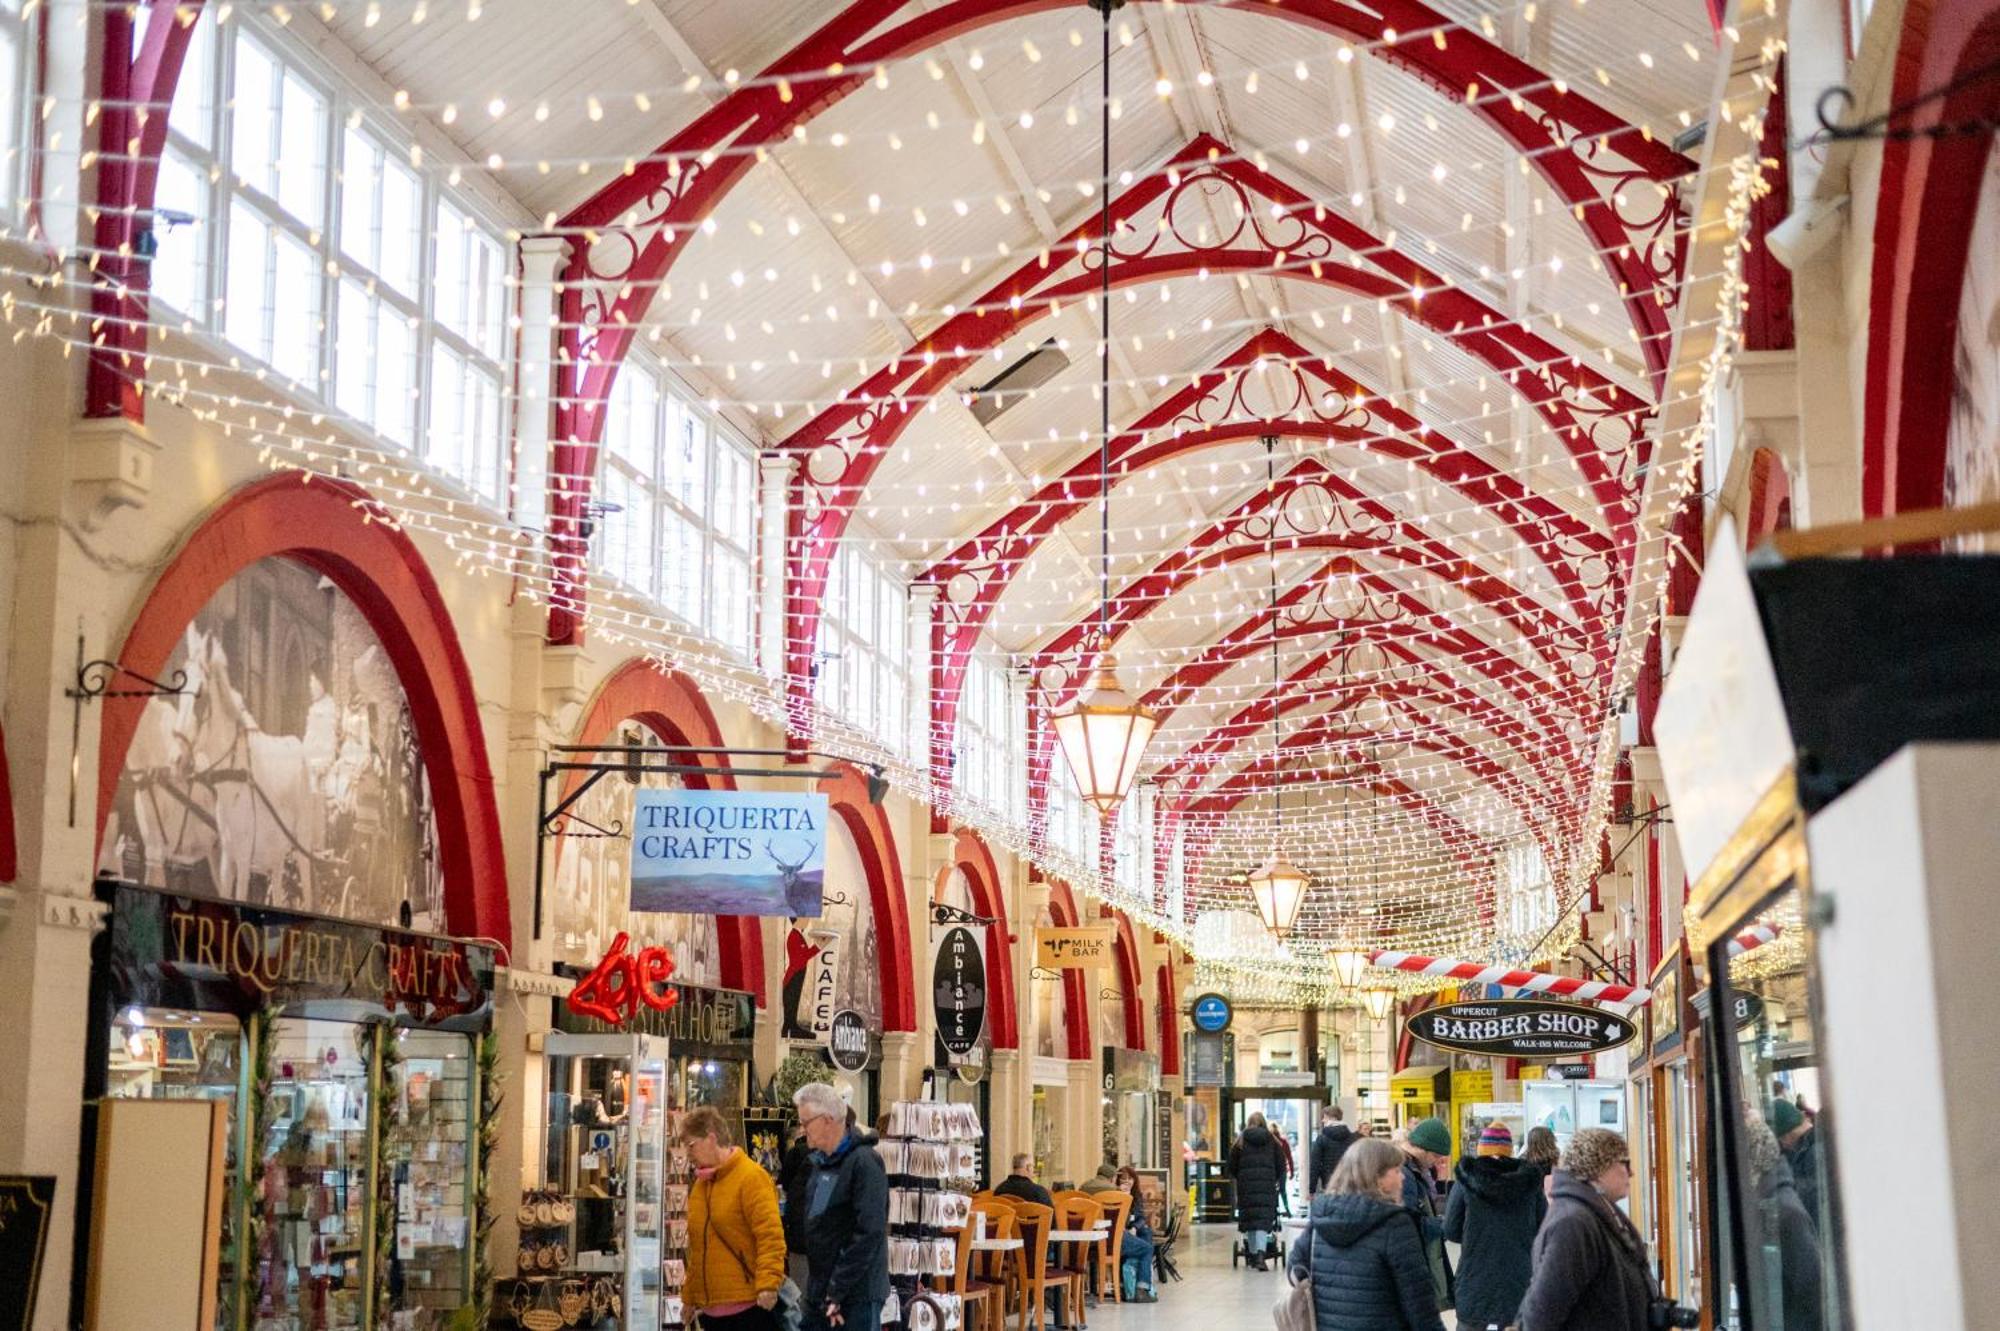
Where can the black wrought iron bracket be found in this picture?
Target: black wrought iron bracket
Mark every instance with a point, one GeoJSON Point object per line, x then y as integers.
{"type": "Point", "coordinates": [1835, 103]}
{"type": "Point", "coordinates": [1043, 973]}
{"type": "Point", "coordinates": [597, 761]}
{"type": "Point", "coordinates": [94, 680]}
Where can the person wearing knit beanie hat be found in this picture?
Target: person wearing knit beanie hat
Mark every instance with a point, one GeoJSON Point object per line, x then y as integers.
{"type": "Point", "coordinates": [1785, 1119]}
{"type": "Point", "coordinates": [1428, 1146]}
{"type": "Point", "coordinates": [1496, 1140]}
{"type": "Point", "coordinates": [1495, 1211]}
{"type": "Point", "coordinates": [1431, 1135]}
{"type": "Point", "coordinates": [1594, 1150]}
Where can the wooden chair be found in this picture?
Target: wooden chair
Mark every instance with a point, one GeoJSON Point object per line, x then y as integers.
{"type": "Point", "coordinates": [1110, 1251]}
{"type": "Point", "coordinates": [1034, 1221]}
{"type": "Point", "coordinates": [1076, 1211]}
{"type": "Point", "coordinates": [1000, 1271]}
{"type": "Point", "coordinates": [972, 1294]}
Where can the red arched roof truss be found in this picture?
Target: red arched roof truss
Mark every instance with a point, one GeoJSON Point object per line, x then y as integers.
{"type": "Point", "coordinates": [971, 857]}
{"type": "Point", "coordinates": [1770, 498]}
{"type": "Point", "coordinates": [672, 706]}
{"type": "Point", "coordinates": [1929, 195]}
{"type": "Point", "coordinates": [324, 525]}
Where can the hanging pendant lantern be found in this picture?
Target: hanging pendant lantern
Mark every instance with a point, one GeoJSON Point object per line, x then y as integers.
{"type": "Point", "coordinates": [1279, 887]}
{"type": "Point", "coordinates": [1103, 734]}
{"type": "Point", "coordinates": [1348, 965]}
{"type": "Point", "coordinates": [1379, 1001]}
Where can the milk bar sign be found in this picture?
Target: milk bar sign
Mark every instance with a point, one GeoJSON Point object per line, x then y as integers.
{"type": "Point", "coordinates": [1521, 1028]}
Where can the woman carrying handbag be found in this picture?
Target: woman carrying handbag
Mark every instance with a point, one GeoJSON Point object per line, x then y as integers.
{"type": "Point", "coordinates": [736, 1241]}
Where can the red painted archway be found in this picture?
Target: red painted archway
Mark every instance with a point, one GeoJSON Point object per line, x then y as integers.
{"type": "Point", "coordinates": [672, 706]}
{"type": "Point", "coordinates": [876, 843]}
{"type": "Point", "coordinates": [324, 525]}
{"type": "Point", "coordinates": [1928, 196]}
{"type": "Point", "coordinates": [971, 857]}
{"type": "Point", "coordinates": [1170, 1034]}
{"type": "Point", "coordinates": [1128, 981]}
{"type": "Point", "coordinates": [1062, 908]}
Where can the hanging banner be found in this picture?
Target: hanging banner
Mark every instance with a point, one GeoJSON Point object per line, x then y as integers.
{"type": "Point", "coordinates": [958, 982]}
{"type": "Point", "coordinates": [821, 985]}
{"type": "Point", "coordinates": [1086, 949]}
{"type": "Point", "coordinates": [1521, 1028]}
{"type": "Point", "coordinates": [728, 852]}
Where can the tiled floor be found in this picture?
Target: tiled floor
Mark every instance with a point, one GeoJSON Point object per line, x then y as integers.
{"type": "Point", "coordinates": [1214, 1297]}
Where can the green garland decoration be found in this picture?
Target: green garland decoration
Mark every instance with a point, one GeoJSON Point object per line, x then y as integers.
{"type": "Point", "coordinates": [387, 1054]}
{"type": "Point", "coordinates": [260, 1055]}
{"type": "Point", "coordinates": [490, 1098]}
{"type": "Point", "coordinates": [799, 1068]}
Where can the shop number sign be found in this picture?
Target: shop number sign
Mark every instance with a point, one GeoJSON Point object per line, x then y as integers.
{"type": "Point", "coordinates": [614, 991]}
{"type": "Point", "coordinates": [1521, 1028]}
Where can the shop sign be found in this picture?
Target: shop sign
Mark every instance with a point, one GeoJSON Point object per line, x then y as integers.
{"type": "Point", "coordinates": [847, 1041]}
{"type": "Point", "coordinates": [1211, 1013]}
{"type": "Point", "coordinates": [728, 852]}
{"type": "Point", "coordinates": [1566, 1072]}
{"type": "Point", "coordinates": [1520, 1028]}
{"type": "Point", "coordinates": [719, 1023]}
{"type": "Point", "coordinates": [623, 983]}
{"type": "Point", "coordinates": [1665, 1009]}
{"type": "Point", "coordinates": [1087, 948]}
{"type": "Point", "coordinates": [822, 982]}
{"type": "Point", "coordinates": [1208, 1060]}
{"type": "Point", "coordinates": [958, 987]}
{"type": "Point", "coordinates": [1749, 1010]}
{"type": "Point", "coordinates": [25, 1204]}
{"type": "Point", "coordinates": [1471, 1085]}
{"type": "Point", "coordinates": [217, 956]}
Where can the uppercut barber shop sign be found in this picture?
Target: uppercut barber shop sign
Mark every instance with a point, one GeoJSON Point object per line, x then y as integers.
{"type": "Point", "coordinates": [1521, 1028]}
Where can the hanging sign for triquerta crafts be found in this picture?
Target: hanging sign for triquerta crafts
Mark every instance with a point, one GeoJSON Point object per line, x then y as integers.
{"type": "Point", "coordinates": [958, 980]}
{"type": "Point", "coordinates": [728, 852]}
{"type": "Point", "coordinates": [1520, 1028]}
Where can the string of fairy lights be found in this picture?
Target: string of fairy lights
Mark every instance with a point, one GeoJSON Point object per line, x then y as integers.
{"type": "Point", "coordinates": [1428, 878]}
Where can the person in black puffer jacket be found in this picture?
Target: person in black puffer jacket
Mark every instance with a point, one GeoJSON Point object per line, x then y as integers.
{"type": "Point", "coordinates": [1495, 1208]}
{"type": "Point", "coordinates": [1591, 1272]}
{"type": "Point", "coordinates": [846, 1216]}
{"type": "Point", "coordinates": [1258, 1170]}
{"type": "Point", "coordinates": [1782, 1217]}
{"type": "Point", "coordinates": [1363, 1249]}
{"type": "Point", "coordinates": [1327, 1148]}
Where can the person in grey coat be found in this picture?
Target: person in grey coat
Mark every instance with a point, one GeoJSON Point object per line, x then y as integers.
{"type": "Point", "coordinates": [1590, 1263]}
{"type": "Point", "coordinates": [1496, 1207]}
{"type": "Point", "coordinates": [1363, 1249]}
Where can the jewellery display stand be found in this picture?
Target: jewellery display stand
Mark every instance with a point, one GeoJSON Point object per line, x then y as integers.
{"type": "Point", "coordinates": [931, 1153]}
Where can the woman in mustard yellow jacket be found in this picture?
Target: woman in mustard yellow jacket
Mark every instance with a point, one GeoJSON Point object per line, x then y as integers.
{"type": "Point", "coordinates": [736, 1242]}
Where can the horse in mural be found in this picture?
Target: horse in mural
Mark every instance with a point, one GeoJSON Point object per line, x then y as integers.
{"type": "Point", "coordinates": [165, 830]}
{"type": "Point", "coordinates": [258, 787]}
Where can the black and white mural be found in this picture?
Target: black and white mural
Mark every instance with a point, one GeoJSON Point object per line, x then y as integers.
{"type": "Point", "coordinates": [286, 773]}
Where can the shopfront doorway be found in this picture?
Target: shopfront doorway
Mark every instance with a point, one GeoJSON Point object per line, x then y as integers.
{"type": "Point", "coordinates": [1292, 1114]}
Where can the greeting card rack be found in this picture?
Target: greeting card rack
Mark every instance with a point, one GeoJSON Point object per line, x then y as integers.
{"type": "Point", "coordinates": [931, 1155]}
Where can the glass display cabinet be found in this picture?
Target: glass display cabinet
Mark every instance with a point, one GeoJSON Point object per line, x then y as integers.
{"type": "Point", "coordinates": [604, 1151]}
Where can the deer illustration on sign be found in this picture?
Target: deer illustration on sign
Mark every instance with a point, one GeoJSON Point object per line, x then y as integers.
{"type": "Point", "coordinates": [728, 852]}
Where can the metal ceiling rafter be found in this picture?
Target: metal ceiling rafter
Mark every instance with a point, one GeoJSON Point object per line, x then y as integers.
{"type": "Point", "coordinates": [637, 226]}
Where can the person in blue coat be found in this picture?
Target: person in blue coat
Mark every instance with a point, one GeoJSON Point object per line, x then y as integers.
{"type": "Point", "coordinates": [1363, 1249]}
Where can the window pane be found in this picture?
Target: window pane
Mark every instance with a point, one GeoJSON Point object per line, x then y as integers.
{"type": "Point", "coordinates": [450, 281]}
{"type": "Point", "coordinates": [193, 110]}
{"type": "Point", "coordinates": [249, 241]}
{"type": "Point", "coordinates": [178, 264]}
{"type": "Point", "coordinates": [302, 150]}
{"type": "Point", "coordinates": [254, 96]}
{"type": "Point", "coordinates": [402, 201]}
{"type": "Point", "coordinates": [353, 386]}
{"type": "Point", "coordinates": [295, 319]}
{"type": "Point", "coordinates": [395, 367]}
{"type": "Point", "coordinates": [360, 164]}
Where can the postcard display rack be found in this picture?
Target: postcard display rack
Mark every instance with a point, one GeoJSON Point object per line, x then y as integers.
{"type": "Point", "coordinates": [603, 1238]}
{"type": "Point", "coordinates": [931, 1153]}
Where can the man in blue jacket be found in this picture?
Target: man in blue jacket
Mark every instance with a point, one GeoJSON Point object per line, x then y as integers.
{"type": "Point", "coordinates": [846, 1217]}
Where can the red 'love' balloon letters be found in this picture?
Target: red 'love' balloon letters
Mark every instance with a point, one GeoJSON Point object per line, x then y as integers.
{"type": "Point", "coordinates": [622, 981]}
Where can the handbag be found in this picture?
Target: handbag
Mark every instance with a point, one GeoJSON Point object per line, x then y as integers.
{"type": "Point", "coordinates": [1294, 1311]}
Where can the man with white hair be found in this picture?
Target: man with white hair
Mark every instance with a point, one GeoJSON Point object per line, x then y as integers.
{"type": "Point", "coordinates": [846, 1223]}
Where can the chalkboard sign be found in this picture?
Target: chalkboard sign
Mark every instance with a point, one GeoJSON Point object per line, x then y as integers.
{"type": "Point", "coordinates": [25, 1203]}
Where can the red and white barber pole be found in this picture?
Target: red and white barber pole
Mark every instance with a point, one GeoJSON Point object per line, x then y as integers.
{"type": "Point", "coordinates": [1533, 982]}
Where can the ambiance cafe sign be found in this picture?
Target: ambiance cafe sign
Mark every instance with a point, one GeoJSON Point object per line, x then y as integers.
{"type": "Point", "coordinates": [1521, 1028]}
{"type": "Point", "coordinates": [728, 852]}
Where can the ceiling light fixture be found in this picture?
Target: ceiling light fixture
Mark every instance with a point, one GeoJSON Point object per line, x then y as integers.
{"type": "Point", "coordinates": [1104, 732]}
{"type": "Point", "coordinates": [1279, 886]}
